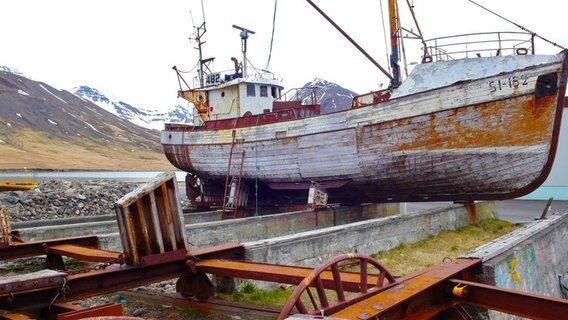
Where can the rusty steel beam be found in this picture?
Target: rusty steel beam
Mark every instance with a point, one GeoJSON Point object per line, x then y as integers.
{"type": "Point", "coordinates": [36, 248]}
{"type": "Point", "coordinates": [67, 311]}
{"type": "Point", "coordinates": [274, 273]}
{"type": "Point", "coordinates": [97, 281]}
{"type": "Point", "coordinates": [411, 297]}
{"type": "Point", "coordinates": [523, 304]}
{"type": "Point", "coordinates": [83, 253]}
{"type": "Point", "coordinates": [14, 316]}
{"type": "Point", "coordinates": [229, 250]}
{"type": "Point", "coordinates": [93, 283]}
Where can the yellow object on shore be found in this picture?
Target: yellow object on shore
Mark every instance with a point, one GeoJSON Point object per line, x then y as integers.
{"type": "Point", "coordinates": [15, 186]}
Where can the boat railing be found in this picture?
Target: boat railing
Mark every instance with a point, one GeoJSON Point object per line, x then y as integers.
{"type": "Point", "coordinates": [373, 97]}
{"type": "Point", "coordinates": [307, 94]}
{"type": "Point", "coordinates": [216, 78]}
{"type": "Point", "coordinates": [261, 73]}
{"type": "Point", "coordinates": [475, 45]}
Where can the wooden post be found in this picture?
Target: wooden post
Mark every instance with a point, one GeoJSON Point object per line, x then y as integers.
{"type": "Point", "coordinates": [6, 239]}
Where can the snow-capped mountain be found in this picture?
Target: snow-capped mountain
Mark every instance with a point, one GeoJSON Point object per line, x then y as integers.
{"type": "Point", "coordinates": [330, 95]}
{"type": "Point", "coordinates": [151, 119]}
{"type": "Point", "coordinates": [11, 70]}
{"type": "Point", "coordinates": [32, 110]}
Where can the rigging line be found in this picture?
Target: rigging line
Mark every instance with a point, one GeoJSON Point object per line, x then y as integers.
{"type": "Point", "coordinates": [190, 70]}
{"type": "Point", "coordinates": [272, 36]}
{"type": "Point", "coordinates": [373, 61]}
{"type": "Point", "coordinates": [517, 25]}
{"type": "Point", "coordinates": [412, 13]}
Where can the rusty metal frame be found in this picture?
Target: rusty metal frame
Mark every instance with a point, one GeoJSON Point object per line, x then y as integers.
{"type": "Point", "coordinates": [273, 273]}
{"type": "Point", "coordinates": [66, 311]}
{"type": "Point", "coordinates": [109, 279]}
{"type": "Point", "coordinates": [152, 211]}
{"type": "Point", "coordinates": [423, 295]}
{"type": "Point", "coordinates": [523, 304]}
{"type": "Point", "coordinates": [36, 248]}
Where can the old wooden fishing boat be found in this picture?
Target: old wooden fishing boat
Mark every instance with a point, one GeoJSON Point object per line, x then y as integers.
{"type": "Point", "coordinates": [475, 124]}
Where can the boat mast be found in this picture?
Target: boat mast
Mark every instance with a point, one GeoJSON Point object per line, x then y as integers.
{"type": "Point", "coordinates": [393, 21]}
{"type": "Point", "coordinates": [200, 32]}
{"type": "Point", "coordinates": [244, 36]}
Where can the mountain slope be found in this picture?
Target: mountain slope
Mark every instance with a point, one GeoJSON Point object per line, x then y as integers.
{"type": "Point", "coordinates": [151, 119]}
{"type": "Point", "coordinates": [43, 127]}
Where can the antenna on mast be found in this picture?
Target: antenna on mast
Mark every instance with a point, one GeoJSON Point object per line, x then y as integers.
{"type": "Point", "coordinates": [244, 36]}
{"type": "Point", "coordinates": [198, 34]}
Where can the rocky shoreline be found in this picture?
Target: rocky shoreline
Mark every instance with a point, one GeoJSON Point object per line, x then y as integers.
{"type": "Point", "coordinates": [59, 199]}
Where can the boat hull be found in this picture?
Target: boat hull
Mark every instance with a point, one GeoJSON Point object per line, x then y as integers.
{"type": "Point", "coordinates": [489, 138]}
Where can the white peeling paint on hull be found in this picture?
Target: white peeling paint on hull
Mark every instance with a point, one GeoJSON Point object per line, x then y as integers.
{"type": "Point", "coordinates": [480, 137]}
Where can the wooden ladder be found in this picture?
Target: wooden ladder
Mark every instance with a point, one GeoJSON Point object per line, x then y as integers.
{"type": "Point", "coordinates": [231, 199]}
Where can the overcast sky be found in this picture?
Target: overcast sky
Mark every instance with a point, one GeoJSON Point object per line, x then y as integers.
{"type": "Point", "coordinates": [126, 48]}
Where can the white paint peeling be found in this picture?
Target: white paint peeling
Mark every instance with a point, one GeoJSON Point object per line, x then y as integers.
{"type": "Point", "coordinates": [52, 122]}
{"type": "Point", "coordinates": [22, 92]}
{"type": "Point", "coordinates": [354, 145]}
{"type": "Point", "coordinates": [18, 114]}
{"type": "Point", "coordinates": [429, 76]}
{"type": "Point", "coordinates": [9, 124]}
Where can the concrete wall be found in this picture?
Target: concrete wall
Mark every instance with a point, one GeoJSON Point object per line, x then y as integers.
{"type": "Point", "coordinates": [529, 259]}
{"type": "Point", "coordinates": [70, 230]}
{"type": "Point", "coordinates": [311, 248]}
{"type": "Point", "coordinates": [94, 225]}
{"type": "Point", "coordinates": [276, 225]}
{"type": "Point", "coordinates": [206, 229]}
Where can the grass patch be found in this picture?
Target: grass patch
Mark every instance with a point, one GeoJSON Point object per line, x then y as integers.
{"type": "Point", "coordinates": [408, 258]}
{"type": "Point", "coordinates": [400, 261]}
{"type": "Point", "coordinates": [36, 150]}
{"type": "Point", "coordinates": [251, 294]}
{"type": "Point", "coordinates": [189, 313]}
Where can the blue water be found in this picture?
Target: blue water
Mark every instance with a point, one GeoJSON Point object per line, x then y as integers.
{"type": "Point", "coordinates": [547, 192]}
{"type": "Point", "coordinates": [38, 176]}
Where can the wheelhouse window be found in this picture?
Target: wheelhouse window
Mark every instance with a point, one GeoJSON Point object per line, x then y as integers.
{"type": "Point", "coordinates": [263, 91]}
{"type": "Point", "coordinates": [251, 92]}
{"type": "Point", "coordinates": [274, 92]}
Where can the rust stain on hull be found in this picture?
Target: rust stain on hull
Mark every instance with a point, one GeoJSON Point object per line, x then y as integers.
{"type": "Point", "coordinates": [521, 122]}
{"type": "Point", "coordinates": [422, 147]}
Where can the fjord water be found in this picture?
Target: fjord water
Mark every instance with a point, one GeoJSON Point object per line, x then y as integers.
{"type": "Point", "coordinates": [38, 176]}
{"type": "Point", "coordinates": [546, 191]}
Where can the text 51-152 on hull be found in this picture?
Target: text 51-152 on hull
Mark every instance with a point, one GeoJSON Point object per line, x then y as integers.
{"type": "Point", "coordinates": [481, 128]}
